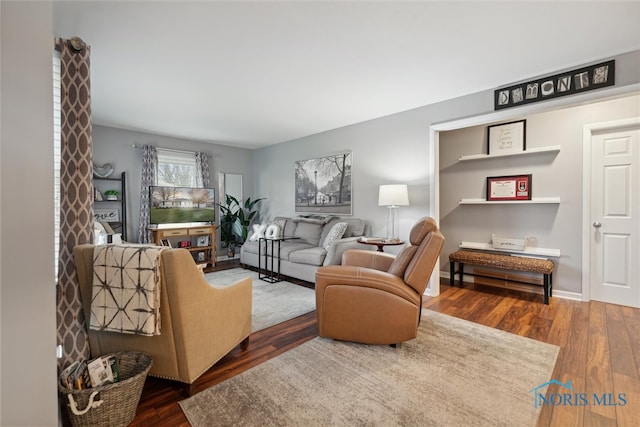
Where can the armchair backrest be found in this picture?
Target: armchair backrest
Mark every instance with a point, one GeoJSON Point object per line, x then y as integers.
{"type": "Point", "coordinates": [416, 261]}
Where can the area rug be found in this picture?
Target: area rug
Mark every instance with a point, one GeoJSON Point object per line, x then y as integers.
{"type": "Point", "coordinates": [456, 373]}
{"type": "Point", "coordinates": [273, 303]}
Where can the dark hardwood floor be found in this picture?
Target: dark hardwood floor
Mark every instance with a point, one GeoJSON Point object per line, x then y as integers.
{"type": "Point", "coordinates": [599, 352]}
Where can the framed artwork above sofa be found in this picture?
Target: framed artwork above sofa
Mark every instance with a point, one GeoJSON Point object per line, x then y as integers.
{"type": "Point", "coordinates": [323, 184]}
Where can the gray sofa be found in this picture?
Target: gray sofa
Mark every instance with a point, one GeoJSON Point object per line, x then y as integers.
{"type": "Point", "coordinates": [303, 251]}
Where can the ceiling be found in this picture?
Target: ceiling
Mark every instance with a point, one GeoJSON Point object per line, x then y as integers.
{"type": "Point", "coordinates": [251, 74]}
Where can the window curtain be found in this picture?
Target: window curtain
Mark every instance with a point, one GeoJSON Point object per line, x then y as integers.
{"type": "Point", "coordinates": [149, 174]}
{"type": "Point", "coordinates": [76, 192]}
{"type": "Point", "coordinates": [203, 178]}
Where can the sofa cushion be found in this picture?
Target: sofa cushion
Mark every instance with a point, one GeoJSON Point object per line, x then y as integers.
{"type": "Point", "coordinates": [286, 247]}
{"type": "Point", "coordinates": [311, 256]}
{"type": "Point", "coordinates": [308, 232]}
{"type": "Point", "coordinates": [289, 225]}
{"type": "Point", "coordinates": [336, 232]}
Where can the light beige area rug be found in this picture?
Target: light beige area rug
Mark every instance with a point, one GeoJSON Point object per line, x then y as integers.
{"type": "Point", "coordinates": [456, 373]}
{"type": "Point", "coordinates": [273, 303]}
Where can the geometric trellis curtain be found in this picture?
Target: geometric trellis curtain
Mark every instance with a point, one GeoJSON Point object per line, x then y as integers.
{"type": "Point", "coordinates": [203, 178]}
{"type": "Point", "coordinates": [149, 174]}
{"type": "Point", "coordinates": [76, 192]}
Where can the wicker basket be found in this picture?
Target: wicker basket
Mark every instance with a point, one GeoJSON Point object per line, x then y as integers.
{"type": "Point", "coordinates": [119, 400]}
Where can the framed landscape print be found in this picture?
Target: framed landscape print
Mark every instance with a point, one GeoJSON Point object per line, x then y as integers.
{"type": "Point", "coordinates": [323, 185]}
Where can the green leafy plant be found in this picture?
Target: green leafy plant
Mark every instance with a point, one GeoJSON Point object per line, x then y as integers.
{"type": "Point", "coordinates": [227, 220]}
{"type": "Point", "coordinates": [236, 219]}
{"type": "Point", "coordinates": [112, 193]}
{"type": "Point", "coordinates": [245, 213]}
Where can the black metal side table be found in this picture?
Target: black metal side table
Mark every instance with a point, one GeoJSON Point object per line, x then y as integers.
{"type": "Point", "coordinates": [271, 270]}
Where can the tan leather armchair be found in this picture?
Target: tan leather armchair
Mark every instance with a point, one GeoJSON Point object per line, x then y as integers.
{"type": "Point", "coordinates": [199, 322]}
{"type": "Point", "coordinates": [374, 297]}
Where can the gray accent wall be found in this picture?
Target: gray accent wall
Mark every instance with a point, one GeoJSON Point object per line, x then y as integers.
{"type": "Point", "coordinates": [113, 145]}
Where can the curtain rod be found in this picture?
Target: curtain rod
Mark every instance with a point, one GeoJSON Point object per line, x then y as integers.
{"type": "Point", "coordinates": [173, 150]}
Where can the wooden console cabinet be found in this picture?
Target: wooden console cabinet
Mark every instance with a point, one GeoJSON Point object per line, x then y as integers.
{"type": "Point", "coordinates": [200, 240]}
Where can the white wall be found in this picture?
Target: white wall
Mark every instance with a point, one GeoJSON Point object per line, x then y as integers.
{"type": "Point", "coordinates": [554, 175]}
{"type": "Point", "coordinates": [27, 288]}
{"type": "Point", "coordinates": [112, 145]}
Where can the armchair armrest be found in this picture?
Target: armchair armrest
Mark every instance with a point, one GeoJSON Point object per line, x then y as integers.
{"type": "Point", "coordinates": [363, 277]}
{"type": "Point", "coordinates": [370, 259]}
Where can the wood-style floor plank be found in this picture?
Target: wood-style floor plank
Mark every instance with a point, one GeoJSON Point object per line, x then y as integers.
{"type": "Point", "coordinates": [599, 352]}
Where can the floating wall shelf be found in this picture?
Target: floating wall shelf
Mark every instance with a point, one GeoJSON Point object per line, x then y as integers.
{"type": "Point", "coordinates": [525, 252]}
{"type": "Point", "coordinates": [535, 200]}
{"type": "Point", "coordinates": [537, 150]}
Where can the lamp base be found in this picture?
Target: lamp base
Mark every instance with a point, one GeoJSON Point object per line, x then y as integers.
{"type": "Point", "coordinates": [393, 223]}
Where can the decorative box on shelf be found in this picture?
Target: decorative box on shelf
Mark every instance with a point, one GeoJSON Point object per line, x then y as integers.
{"type": "Point", "coordinates": [509, 243]}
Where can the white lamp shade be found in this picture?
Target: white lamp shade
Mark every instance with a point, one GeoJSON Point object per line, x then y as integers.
{"type": "Point", "coordinates": [393, 195]}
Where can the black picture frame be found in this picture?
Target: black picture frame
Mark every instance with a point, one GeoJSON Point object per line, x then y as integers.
{"type": "Point", "coordinates": [567, 83]}
{"type": "Point", "coordinates": [507, 138]}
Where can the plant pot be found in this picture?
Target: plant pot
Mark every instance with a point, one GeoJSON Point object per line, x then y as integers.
{"type": "Point", "coordinates": [231, 252]}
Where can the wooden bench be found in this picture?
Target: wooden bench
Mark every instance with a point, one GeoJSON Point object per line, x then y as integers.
{"type": "Point", "coordinates": [503, 262]}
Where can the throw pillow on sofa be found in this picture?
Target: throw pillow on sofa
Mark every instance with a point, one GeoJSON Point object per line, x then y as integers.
{"type": "Point", "coordinates": [336, 233]}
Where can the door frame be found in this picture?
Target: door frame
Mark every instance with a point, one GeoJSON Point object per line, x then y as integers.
{"type": "Point", "coordinates": [587, 135]}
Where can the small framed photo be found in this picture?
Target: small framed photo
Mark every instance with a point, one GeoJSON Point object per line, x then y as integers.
{"type": "Point", "coordinates": [201, 256]}
{"type": "Point", "coordinates": [165, 242]}
{"type": "Point", "coordinates": [202, 241]}
{"type": "Point", "coordinates": [510, 188]}
{"type": "Point", "coordinates": [506, 138]}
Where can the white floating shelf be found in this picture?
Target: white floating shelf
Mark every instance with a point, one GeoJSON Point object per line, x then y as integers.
{"type": "Point", "coordinates": [548, 149]}
{"type": "Point", "coordinates": [526, 252]}
{"type": "Point", "coordinates": [535, 200]}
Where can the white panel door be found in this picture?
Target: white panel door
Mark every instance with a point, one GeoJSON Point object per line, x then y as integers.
{"type": "Point", "coordinates": [615, 216]}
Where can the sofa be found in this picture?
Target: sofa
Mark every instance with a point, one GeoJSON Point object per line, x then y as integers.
{"type": "Point", "coordinates": [309, 244]}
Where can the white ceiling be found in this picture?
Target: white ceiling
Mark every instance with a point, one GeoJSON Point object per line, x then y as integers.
{"type": "Point", "coordinates": [250, 74]}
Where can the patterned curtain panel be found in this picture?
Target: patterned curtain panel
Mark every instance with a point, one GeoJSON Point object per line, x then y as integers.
{"type": "Point", "coordinates": [149, 174]}
{"type": "Point", "coordinates": [202, 163]}
{"type": "Point", "coordinates": [76, 191]}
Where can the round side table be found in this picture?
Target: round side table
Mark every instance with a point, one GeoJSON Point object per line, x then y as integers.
{"type": "Point", "coordinates": [380, 242]}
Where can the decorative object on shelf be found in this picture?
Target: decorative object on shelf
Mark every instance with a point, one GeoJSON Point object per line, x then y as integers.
{"type": "Point", "coordinates": [324, 184]}
{"type": "Point", "coordinates": [112, 194]}
{"type": "Point", "coordinates": [165, 242]}
{"type": "Point", "coordinates": [103, 171]}
{"type": "Point", "coordinates": [509, 243]}
{"type": "Point", "coordinates": [106, 215]}
{"type": "Point", "coordinates": [393, 196]}
{"type": "Point", "coordinates": [97, 195]}
{"type": "Point", "coordinates": [202, 241]}
{"type": "Point", "coordinates": [568, 83]}
{"type": "Point", "coordinates": [515, 187]}
{"type": "Point", "coordinates": [506, 138]}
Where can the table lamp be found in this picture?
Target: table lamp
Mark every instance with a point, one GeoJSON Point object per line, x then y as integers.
{"type": "Point", "coordinates": [393, 196]}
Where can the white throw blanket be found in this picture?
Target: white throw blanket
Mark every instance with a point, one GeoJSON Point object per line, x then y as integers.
{"type": "Point", "coordinates": [126, 289]}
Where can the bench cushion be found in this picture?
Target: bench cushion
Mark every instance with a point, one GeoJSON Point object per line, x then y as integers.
{"type": "Point", "coordinates": [506, 262]}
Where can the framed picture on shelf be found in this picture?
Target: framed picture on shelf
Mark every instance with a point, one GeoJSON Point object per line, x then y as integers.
{"type": "Point", "coordinates": [506, 138]}
{"type": "Point", "coordinates": [203, 241]}
{"type": "Point", "coordinates": [165, 242]}
{"type": "Point", "coordinates": [107, 215]}
{"type": "Point", "coordinates": [509, 188]}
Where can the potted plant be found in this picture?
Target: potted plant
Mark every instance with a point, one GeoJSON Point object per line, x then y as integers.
{"type": "Point", "coordinates": [227, 220]}
{"type": "Point", "coordinates": [235, 221]}
{"type": "Point", "coordinates": [245, 215]}
{"type": "Point", "coordinates": [112, 194]}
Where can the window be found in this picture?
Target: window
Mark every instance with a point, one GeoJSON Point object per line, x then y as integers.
{"type": "Point", "coordinates": [176, 168]}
